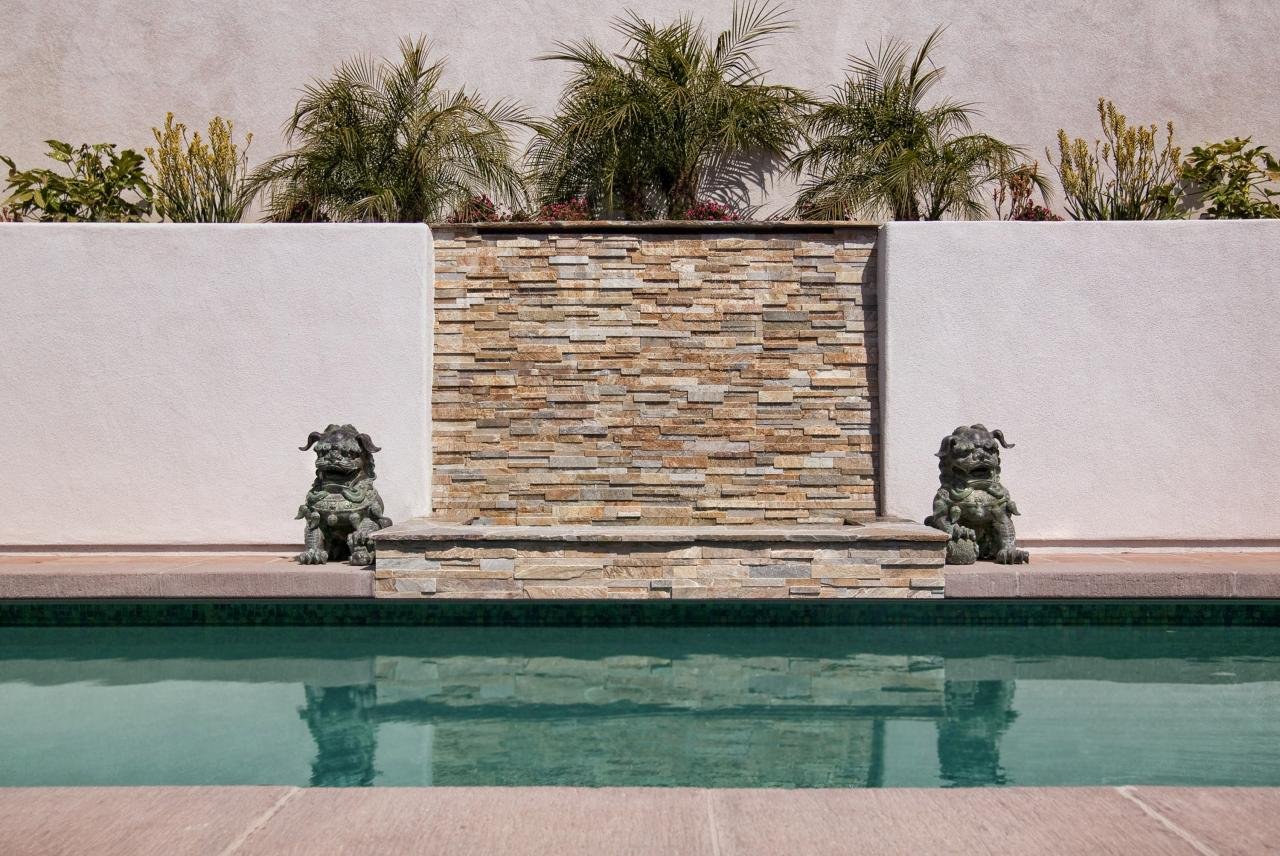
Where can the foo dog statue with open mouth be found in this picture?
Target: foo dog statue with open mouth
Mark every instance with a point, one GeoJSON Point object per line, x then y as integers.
{"type": "Point", "coordinates": [971, 505]}
{"type": "Point", "coordinates": [342, 508]}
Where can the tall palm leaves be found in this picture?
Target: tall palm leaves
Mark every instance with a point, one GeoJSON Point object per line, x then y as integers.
{"type": "Point", "coordinates": [650, 128]}
{"type": "Point", "coordinates": [383, 141]}
{"type": "Point", "coordinates": [876, 150]}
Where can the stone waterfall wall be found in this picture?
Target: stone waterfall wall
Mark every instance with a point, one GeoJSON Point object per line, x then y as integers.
{"type": "Point", "coordinates": [658, 374]}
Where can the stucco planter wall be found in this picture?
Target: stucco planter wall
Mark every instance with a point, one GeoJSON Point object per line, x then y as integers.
{"type": "Point", "coordinates": [1135, 365]}
{"type": "Point", "coordinates": [157, 380]}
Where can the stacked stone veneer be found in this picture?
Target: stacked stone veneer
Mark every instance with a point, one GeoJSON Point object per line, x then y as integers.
{"type": "Point", "coordinates": [442, 561]}
{"type": "Point", "coordinates": [669, 376]}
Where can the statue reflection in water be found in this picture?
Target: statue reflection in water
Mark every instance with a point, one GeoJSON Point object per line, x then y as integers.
{"type": "Point", "coordinates": [340, 721]}
{"type": "Point", "coordinates": [978, 713]}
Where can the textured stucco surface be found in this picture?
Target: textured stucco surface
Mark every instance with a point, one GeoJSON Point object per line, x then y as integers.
{"type": "Point", "coordinates": [1135, 366]}
{"type": "Point", "coordinates": [109, 70]}
{"type": "Point", "coordinates": [157, 380]}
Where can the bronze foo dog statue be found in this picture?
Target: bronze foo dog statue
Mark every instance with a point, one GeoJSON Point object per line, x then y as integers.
{"type": "Point", "coordinates": [971, 505]}
{"type": "Point", "coordinates": [342, 508]}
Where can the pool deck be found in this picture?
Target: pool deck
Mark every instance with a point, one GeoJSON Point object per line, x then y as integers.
{"type": "Point", "coordinates": [227, 576]}
{"type": "Point", "coordinates": [255, 821]}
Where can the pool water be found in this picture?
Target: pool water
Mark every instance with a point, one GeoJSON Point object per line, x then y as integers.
{"type": "Point", "coordinates": [665, 706]}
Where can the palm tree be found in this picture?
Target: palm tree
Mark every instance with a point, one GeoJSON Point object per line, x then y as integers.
{"type": "Point", "coordinates": [383, 141]}
{"type": "Point", "coordinates": [876, 150]}
{"type": "Point", "coordinates": [671, 116]}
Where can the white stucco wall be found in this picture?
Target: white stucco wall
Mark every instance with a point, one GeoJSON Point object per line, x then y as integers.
{"type": "Point", "coordinates": [110, 69]}
{"type": "Point", "coordinates": [1135, 365]}
{"type": "Point", "coordinates": [157, 381]}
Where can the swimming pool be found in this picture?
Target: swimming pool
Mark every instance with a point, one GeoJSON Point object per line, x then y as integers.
{"type": "Point", "coordinates": [836, 706]}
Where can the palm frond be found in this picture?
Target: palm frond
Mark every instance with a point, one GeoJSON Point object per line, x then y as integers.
{"type": "Point", "coordinates": [643, 129]}
{"type": "Point", "coordinates": [877, 147]}
{"type": "Point", "coordinates": [383, 140]}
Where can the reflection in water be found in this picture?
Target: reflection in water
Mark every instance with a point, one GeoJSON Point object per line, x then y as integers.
{"type": "Point", "coordinates": [339, 721]}
{"type": "Point", "coordinates": [781, 707]}
{"type": "Point", "coordinates": [977, 714]}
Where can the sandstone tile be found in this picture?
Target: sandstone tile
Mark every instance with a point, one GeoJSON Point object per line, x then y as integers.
{"type": "Point", "coordinates": [535, 592]}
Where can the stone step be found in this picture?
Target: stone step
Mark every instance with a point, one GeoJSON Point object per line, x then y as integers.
{"type": "Point", "coordinates": [439, 559]}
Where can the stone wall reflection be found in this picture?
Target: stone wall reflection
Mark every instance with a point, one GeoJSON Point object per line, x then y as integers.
{"type": "Point", "coordinates": [700, 720]}
{"type": "Point", "coordinates": [341, 722]}
{"type": "Point", "coordinates": [977, 715]}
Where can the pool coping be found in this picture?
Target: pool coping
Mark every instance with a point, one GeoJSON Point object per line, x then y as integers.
{"type": "Point", "coordinates": [242, 821]}
{"type": "Point", "coordinates": [1148, 575]}
{"type": "Point", "coordinates": [176, 576]}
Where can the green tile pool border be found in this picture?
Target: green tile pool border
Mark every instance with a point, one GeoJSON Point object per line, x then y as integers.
{"type": "Point", "coordinates": [374, 613]}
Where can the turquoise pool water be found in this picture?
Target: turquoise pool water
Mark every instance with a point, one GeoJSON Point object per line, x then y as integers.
{"type": "Point", "coordinates": [722, 707]}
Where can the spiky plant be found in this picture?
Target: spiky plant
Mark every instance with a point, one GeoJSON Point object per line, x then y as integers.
{"type": "Point", "coordinates": [879, 148]}
{"type": "Point", "coordinates": [198, 180]}
{"type": "Point", "coordinates": [674, 116]}
{"type": "Point", "coordinates": [384, 141]}
{"type": "Point", "coordinates": [1127, 175]}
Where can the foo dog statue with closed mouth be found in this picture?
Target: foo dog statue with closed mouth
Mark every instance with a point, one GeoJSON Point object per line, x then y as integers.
{"type": "Point", "coordinates": [342, 508]}
{"type": "Point", "coordinates": [971, 505]}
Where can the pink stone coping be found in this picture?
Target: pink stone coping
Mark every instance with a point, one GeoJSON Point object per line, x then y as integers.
{"type": "Point", "coordinates": [255, 821]}
{"type": "Point", "coordinates": [203, 576]}
{"type": "Point", "coordinates": [1152, 575]}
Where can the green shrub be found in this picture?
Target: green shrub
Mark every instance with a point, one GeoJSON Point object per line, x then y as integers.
{"type": "Point", "coordinates": [876, 149]}
{"type": "Point", "coordinates": [199, 181]}
{"type": "Point", "coordinates": [1125, 176]}
{"type": "Point", "coordinates": [1233, 178]}
{"type": "Point", "coordinates": [98, 190]}
{"type": "Point", "coordinates": [384, 141]}
{"type": "Point", "coordinates": [648, 130]}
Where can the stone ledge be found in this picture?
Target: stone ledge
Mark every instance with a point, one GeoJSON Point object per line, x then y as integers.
{"type": "Point", "coordinates": [426, 530]}
{"type": "Point", "coordinates": [660, 227]}
{"type": "Point", "coordinates": [426, 558]}
{"type": "Point", "coordinates": [186, 577]}
{"type": "Point", "coordinates": [1245, 575]}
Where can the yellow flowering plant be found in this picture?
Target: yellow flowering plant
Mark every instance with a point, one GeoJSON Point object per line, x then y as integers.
{"type": "Point", "coordinates": [199, 180]}
{"type": "Point", "coordinates": [1125, 176]}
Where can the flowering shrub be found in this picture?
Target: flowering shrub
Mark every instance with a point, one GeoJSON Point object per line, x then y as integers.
{"type": "Point", "coordinates": [479, 209]}
{"type": "Point", "coordinates": [1016, 187]}
{"type": "Point", "coordinates": [707, 210]}
{"type": "Point", "coordinates": [1033, 211]}
{"type": "Point", "coordinates": [571, 209]}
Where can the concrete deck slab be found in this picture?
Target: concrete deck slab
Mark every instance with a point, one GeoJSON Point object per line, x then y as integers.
{"type": "Point", "coordinates": [570, 821]}
{"type": "Point", "coordinates": [135, 821]}
{"type": "Point", "coordinates": [961, 822]}
{"type": "Point", "coordinates": [1225, 820]}
{"type": "Point", "coordinates": [1189, 574]}
{"type": "Point", "coordinates": [188, 577]}
{"type": "Point", "coordinates": [487, 821]}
